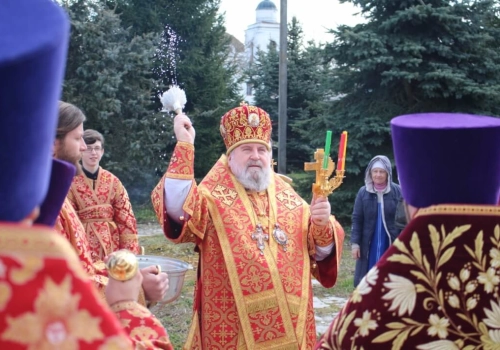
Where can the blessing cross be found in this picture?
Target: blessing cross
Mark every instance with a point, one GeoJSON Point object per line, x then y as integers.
{"type": "Point", "coordinates": [260, 237]}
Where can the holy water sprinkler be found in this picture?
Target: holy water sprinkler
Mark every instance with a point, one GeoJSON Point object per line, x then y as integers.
{"type": "Point", "coordinates": [174, 99]}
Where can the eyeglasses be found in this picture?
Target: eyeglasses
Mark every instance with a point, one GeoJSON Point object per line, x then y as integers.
{"type": "Point", "coordinates": [90, 149]}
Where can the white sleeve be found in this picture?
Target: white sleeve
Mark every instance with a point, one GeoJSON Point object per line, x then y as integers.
{"type": "Point", "coordinates": [176, 192]}
{"type": "Point", "coordinates": [323, 252]}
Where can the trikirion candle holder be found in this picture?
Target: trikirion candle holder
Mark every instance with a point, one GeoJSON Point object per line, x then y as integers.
{"type": "Point", "coordinates": [324, 184]}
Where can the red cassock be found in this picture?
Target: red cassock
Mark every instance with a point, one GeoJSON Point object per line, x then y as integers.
{"type": "Point", "coordinates": [106, 214]}
{"type": "Point", "coordinates": [246, 298]}
{"type": "Point", "coordinates": [436, 287]}
{"type": "Point", "coordinates": [47, 300]}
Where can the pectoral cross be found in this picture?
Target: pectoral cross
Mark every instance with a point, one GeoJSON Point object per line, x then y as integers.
{"type": "Point", "coordinates": [260, 237]}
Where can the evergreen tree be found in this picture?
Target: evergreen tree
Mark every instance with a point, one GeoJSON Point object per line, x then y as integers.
{"type": "Point", "coordinates": [264, 77]}
{"type": "Point", "coordinates": [410, 56]}
{"type": "Point", "coordinates": [203, 66]}
{"type": "Point", "coordinates": [307, 89]}
{"type": "Point", "coordinates": [109, 76]}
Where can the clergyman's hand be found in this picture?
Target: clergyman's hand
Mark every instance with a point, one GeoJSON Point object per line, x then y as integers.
{"type": "Point", "coordinates": [155, 284]}
{"type": "Point", "coordinates": [183, 129]}
{"type": "Point", "coordinates": [320, 211]}
{"type": "Point", "coordinates": [117, 291]}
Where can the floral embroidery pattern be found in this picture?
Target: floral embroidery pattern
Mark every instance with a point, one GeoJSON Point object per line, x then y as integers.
{"type": "Point", "coordinates": [365, 286]}
{"type": "Point", "coordinates": [55, 321]}
{"type": "Point", "coordinates": [454, 319]}
{"type": "Point", "coordinates": [365, 323]}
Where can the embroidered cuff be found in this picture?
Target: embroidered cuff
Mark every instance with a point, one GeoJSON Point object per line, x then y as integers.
{"type": "Point", "coordinates": [182, 162]}
{"type": "Point", "coordinates": [123, 305]}
{"type": "Point", "coordinates": [322, 235]}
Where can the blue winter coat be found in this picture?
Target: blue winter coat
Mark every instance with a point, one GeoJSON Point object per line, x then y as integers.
{"type": "Point", "coordinates": [364, 217]}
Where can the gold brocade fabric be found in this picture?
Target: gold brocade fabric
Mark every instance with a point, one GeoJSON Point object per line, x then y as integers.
{"type": "Point", "coordinates": [48, 302]}
{"type": "Point", "coordinates": [69, 225]}
{"type": "Point", "coordinates": [106, 214]}
{"type": "Point", "coordinates": [245, 300]}
{"type": "Point", "coordinates": [436, 287]}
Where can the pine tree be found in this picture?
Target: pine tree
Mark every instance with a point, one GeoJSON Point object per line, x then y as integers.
{"type": "Point", "coordinates": [410, 56]}
{"type": "Point", "coordinates": [203, 67]}
{"type": "Point", "coordinates": [109, 76]}
{"type": "Point", "coordinates": [307, 89]}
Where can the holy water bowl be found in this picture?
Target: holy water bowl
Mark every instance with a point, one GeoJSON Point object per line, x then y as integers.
{"type": "Point", "coordinates": [175, 269]}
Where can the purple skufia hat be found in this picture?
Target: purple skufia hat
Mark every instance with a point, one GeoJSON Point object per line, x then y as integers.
{"type": "Point", "coordinates": [33, 45]}
{"type": "Point", "coordinates": [446, 158]}
{"type": "Point", "coordinates": [61, 177]}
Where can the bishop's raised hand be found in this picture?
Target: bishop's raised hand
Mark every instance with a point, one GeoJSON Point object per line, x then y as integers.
{"type": "Point", "coordinates": [183, 129]}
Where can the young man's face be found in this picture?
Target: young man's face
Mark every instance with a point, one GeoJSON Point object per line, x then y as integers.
{"type": "Point", "coordinates": [71, 147]}
{"type": "Point", "coordinates": [92, 155]}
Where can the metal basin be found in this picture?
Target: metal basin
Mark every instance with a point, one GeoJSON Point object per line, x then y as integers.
{"type": "Point", "coordinates": [175, 269]}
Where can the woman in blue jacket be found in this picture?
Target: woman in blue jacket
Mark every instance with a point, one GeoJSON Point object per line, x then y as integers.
{"type": "Point", "coordinates": [373, 226]}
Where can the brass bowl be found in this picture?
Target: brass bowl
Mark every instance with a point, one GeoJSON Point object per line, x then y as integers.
{"type": "Point", "coordinates": [175, 269]}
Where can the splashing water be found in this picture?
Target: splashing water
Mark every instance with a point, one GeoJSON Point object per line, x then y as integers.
{"type": "Point", "coordinates": [165, 73]}
{"type": "Point", "coordinates": [166, 55]}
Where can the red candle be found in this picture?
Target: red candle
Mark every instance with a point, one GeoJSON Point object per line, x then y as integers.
{"type": "Point", "coordinates": [342, 148]}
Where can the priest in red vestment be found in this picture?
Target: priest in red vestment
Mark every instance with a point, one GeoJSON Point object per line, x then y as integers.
{"type": "Point", "coordinates": [68, 146]}
{"type": "Point", "coordinates": [437, 286]}
{"type": "Point", "coordinates": [102, 203]}
{"type": "Point", "coordinates": [259, 242]}
{"type": "Point", "coordinates": [47, 300]}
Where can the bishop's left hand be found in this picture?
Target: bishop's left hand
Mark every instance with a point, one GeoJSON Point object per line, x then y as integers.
{"type": "Point", "coordinates": [320, 211]}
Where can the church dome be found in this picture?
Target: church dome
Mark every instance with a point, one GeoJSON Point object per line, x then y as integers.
{"type": "Point", "coordinates": [266, 5]}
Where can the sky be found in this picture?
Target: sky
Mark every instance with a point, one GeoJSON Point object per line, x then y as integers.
{"type": "Point", "coordinates": [315, 16]}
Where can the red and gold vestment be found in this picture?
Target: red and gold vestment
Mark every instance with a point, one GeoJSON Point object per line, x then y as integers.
{"type": "Point", "coordinates": [436, 287]}
{"type": "Point", "coordinates": [48, 302]}
{"type": "Point", "coordinates": [106, 213]}
{"type": "Point", "coordinates": [68, 224]}
{"type": "Point", "coordinates": [245, 299]}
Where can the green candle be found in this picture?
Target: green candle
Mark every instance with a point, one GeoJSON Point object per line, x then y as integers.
{"type": "Point", "coordinates": [328, 142]}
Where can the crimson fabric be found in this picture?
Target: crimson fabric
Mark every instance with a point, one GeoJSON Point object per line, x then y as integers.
{"type": "Point", "coordinates": [447, 158]}
{"type": "Point", "coordinates": [436, 287]}
{"type": "Point", "coordinates": [32, 63]}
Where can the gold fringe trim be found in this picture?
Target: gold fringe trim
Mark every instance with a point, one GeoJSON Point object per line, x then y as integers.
{"type": "Point", "coordinates": [454, 209]}
{"type": "Point", "coordinates": [262, 304]}
{"type": "Point", "coordinates": [294, 308]}
{"type": "Point", "coordinates": [267, 346]}
{"type": "Point", "coordinates": [259, 296]}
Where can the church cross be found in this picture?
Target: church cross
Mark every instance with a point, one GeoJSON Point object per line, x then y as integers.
{"type": "Point", "coordinates": [260, 237]}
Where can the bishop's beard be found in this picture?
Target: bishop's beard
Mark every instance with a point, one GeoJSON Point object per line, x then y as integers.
{"type": "Point", "coordinates": [253, 179]}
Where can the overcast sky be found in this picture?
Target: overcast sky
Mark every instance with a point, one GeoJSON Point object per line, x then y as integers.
{"type": "Point", "coordinates": [315, 16]}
